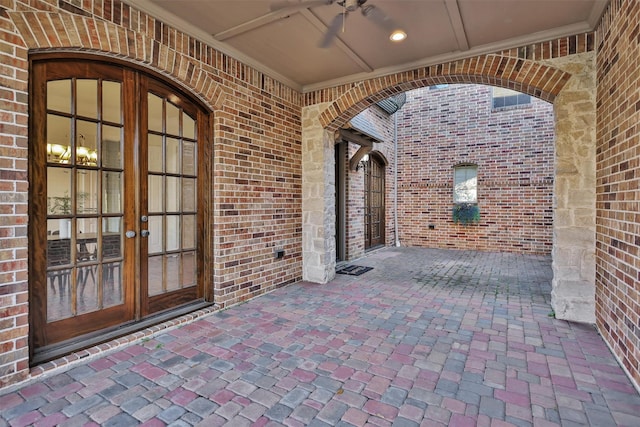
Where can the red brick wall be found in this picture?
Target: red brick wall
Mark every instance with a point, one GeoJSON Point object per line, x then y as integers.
{"type": "Point", "coordinates": [258, 195]}
{"type": "Point", "coordinates": [354, 207]}
{"type": "Point", "coordinates": [13, 203]}
{"type": "Point", "coordinates": [618, 183]}
{"type": "Point", "coordinates": [513, 149]}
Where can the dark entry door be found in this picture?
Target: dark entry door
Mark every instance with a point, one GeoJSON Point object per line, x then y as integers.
{"type": "Point", "coordinates": [374, 203]}
{"type": "Point", "coordinates": [116, 201]}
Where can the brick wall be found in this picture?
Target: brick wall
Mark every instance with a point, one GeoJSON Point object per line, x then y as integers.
{"type": "Point", "coordinates": [256, 206]}
{"type": "Point", "coordinates": [257, 195]}
{"type": "Point", "coordinates": [618, 183]}
{"type": "Point", "coordinates": [354, 207]}
{"type": "Point", "coordinates": [13, 203]}
{"type": "Point", "coordinates": [513, 149]}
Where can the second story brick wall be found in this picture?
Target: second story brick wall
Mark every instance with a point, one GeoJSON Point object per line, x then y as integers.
{"type": "Point", "coordinates": [513, 148]}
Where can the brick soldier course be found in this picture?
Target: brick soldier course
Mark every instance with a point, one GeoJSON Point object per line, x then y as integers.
{"type": "Point", "coordinates": [428, 337]}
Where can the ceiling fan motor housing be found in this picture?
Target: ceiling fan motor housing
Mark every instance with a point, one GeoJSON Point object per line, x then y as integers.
{"type": "Point", "coordinates": [351, 5]}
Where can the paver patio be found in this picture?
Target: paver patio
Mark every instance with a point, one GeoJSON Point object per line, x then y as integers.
{"type": "Point", "coordinates": [428, 337]}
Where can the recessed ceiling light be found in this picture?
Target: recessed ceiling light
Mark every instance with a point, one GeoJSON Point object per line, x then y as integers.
{"type": "Point", "coordinates": [398, 36]}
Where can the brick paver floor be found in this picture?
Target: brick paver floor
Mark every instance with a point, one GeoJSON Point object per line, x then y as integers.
{"type": "Point", "coordinates": [428, 337]}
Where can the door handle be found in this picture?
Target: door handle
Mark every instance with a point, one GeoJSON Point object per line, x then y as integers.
{"type": "Point", "coordinates": [130, 234]}
{"type": "Point", "coordinates": [145, 233]}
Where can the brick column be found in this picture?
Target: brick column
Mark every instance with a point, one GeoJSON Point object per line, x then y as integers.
{"type": "Point", "coordinates": [318, 198]}
{"type": "Point", "coordinates": [574, 224]}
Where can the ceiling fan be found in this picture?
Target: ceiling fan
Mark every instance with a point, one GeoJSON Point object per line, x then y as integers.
{"type": "Point", "coordinates": [369, 11]}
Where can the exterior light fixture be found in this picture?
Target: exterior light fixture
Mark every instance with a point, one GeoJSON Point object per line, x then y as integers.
{"type": "Point", "coordinates": [362, 164]}
{"type": "Point", "coordinates": [398, 36]}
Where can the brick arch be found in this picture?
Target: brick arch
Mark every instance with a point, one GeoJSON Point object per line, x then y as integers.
{"type": "Point", "coordinates": [380, 156]}
{"type": "Point", "coordinates": [43, 31]}
{"type": "Point", "coordinates": [526, 76]}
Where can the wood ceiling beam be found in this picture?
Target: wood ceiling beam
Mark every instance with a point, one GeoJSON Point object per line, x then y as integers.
{"type": "Point", "coordinates": [457, 25]}
{"type": "Point", "coordinates": [356, 137]}
{"type": "Point", "coordinates": [316, 22]}
{"type": "Point", "coordinates": [355, 160]}
{"type": "Point", "coordinates": [279, 13]}
{"type": "Point", "coordinates": [256, 23]}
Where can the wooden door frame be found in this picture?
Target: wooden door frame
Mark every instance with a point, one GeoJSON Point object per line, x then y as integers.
{"type": "Point", "coordinates": [380, 161]}
{"type": "Point", "coordinates": [151, 305]}
{"type": "Point", "coordinates": [340, 150]}
{"type": "Point", "coordinates": [37, 196]}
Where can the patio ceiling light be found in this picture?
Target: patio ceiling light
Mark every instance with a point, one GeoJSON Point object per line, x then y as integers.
{"type": "Point", "coordinates": [398, 36]}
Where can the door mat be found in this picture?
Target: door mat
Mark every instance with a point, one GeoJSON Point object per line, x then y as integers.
{"type": "Point", "coordinates": [354, 270]}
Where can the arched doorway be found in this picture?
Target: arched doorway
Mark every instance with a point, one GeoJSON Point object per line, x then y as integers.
{"type": "Point", "coordinates": [374, 202]}
{"type": "Point", "coordinates": [116, 202]}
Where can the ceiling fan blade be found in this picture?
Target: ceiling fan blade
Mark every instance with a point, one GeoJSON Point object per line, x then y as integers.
{"type": "Point", "coordinates": [295, 6]}
{"type": "Point", "coordinates": [378, 16]}
{"type": "Point", "coordinates": [332, 30]}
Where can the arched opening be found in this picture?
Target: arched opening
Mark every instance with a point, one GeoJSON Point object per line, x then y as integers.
{"type": "Point", "coordinates": [360, 184]}
{"type": "Point", "coordinates": [573, 98]}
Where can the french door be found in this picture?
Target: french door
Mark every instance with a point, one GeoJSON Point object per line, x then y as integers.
{"type": "Point", "coordinates": [116, 200]}
{"type": "Point", "coordinates": [374, 208]}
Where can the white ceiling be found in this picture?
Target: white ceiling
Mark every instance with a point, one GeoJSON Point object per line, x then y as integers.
{"type": "Point", "coordinates": [282, 38]}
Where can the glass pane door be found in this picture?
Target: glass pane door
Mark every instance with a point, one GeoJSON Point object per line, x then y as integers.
{"type": "Point", "coordinates": [374, 203]}
{"type": "Point", "coordinates": [171, 189]}
{"type": "Point", "coordinates": [114, 202]}
{"type": "Point", "coordinates": [84, 197]}
{"type": "Point", "coordinates": [79, 146]}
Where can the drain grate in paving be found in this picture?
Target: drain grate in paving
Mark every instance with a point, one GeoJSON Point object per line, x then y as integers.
{"type": "Point", "coordinates": [354, 270]}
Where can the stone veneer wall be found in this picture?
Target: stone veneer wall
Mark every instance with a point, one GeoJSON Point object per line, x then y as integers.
{"type": "Point", "coordinates": [573, 294]}
{"type": "Point", "coordinates": [257, 163]}
{"type": "Point", "coordinates": [318, 188]}
{"type": "Point", "coordinates": [618, 183]}
{"type": "Point", "coordinates": [513, 149]}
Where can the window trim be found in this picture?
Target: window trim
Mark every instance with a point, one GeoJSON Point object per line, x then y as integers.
{"type": "Point", "coordinates": [502, 94]}
{"type": "Point", "coordinates": [465, 167]}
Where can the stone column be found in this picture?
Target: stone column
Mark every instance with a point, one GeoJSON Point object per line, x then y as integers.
{"type": "Point", "coordinates": [574, 224]}
{"type": "Point", "coordinates": [318, 198]}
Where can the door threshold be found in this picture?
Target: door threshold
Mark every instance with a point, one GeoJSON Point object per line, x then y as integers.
{"type": "Point", "coordinates": [376, 247]}
{"type": "Point", "coordinates": [55, 351]}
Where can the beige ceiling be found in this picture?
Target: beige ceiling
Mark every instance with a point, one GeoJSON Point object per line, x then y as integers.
{"type": "Point", "coordinates": [282, 38]}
